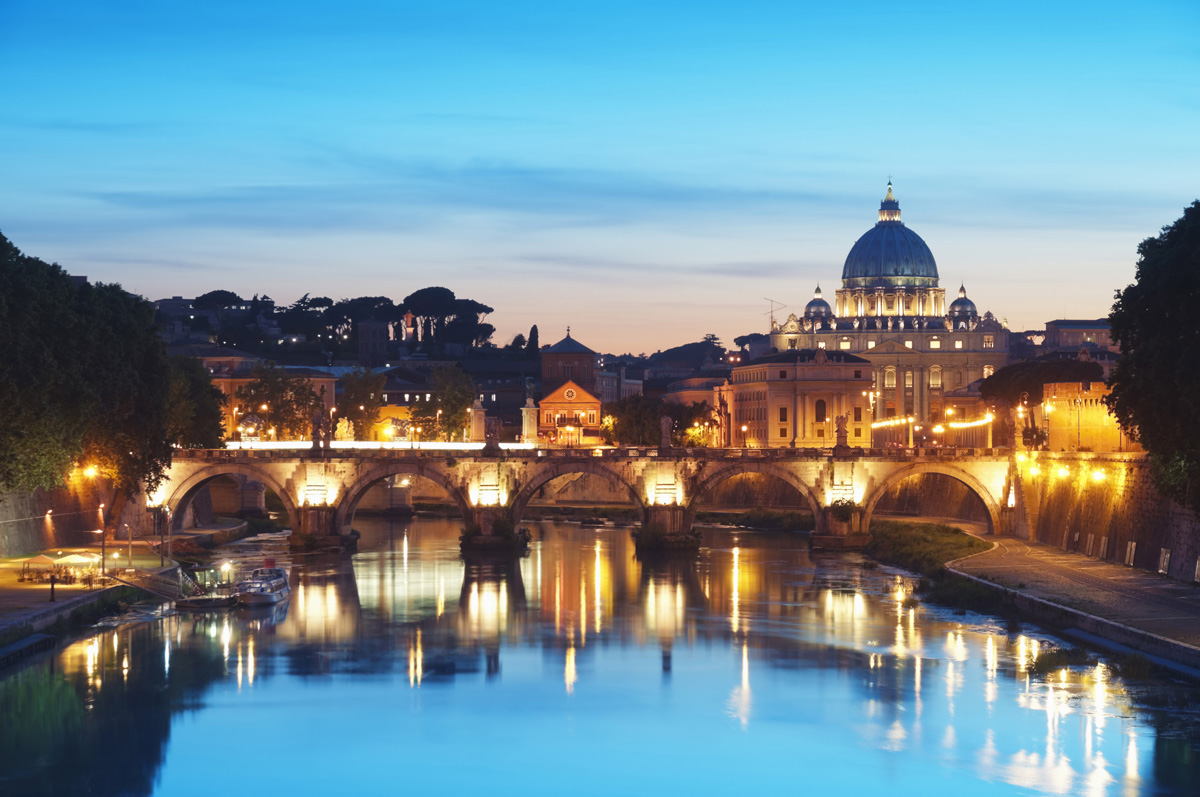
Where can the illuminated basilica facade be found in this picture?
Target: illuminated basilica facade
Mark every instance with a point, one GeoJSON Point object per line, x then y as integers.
{"type": "Point", "coordinates": [891, 312]}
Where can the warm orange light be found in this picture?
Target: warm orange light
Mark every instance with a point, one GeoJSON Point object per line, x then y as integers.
{"type": "Point", "coordinates": [90, 471]}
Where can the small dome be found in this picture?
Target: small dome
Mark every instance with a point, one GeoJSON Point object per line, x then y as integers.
{"type": "Point", "coordinates": [962, 307]}
{"type": "Point", "coordinates": [818, 307]}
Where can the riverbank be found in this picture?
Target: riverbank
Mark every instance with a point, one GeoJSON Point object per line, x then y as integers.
{"type": "Point", "coordinates": [1093, 602]}
{"type": "Point", "coordinates": [1097, 604]}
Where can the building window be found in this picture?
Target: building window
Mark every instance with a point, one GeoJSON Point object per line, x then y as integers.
{"type": "Point", "coordinates": [591, 417]}
{"type": "Point", "coordinates": [857, 415]}
{"type": "Point", "coordinates": [783, 374]}
{"type": "Point", "coordinates": [858, 431]}
{"type": "Point", "coordinates": [889, 378]}
{"type": "Point", "coordinates": [821, 345]}
{"type": "Point", "coordinates": [958, 344]}
{"type": "Point", "coordinates": [935, 377]}
{"type": "Point", "coordinates": [858, 374]}
{"type": "Point", "coordinates": [935, 344]}
{"type": "Point", "coordinates": [870, 344]}
{"type": "Point", "coordinates": [908, 344]}
{"type": "Point", "coordinates": [844, 345]}
{"type": "Point", "coordinates": [958, 379]}
{"type": "Point", "coordinates": [783, 414]}
{"type": "Point", "coordinates": [783, 431]}
{"type": "Point", "coordinates": [989, 341]}
{"type": "Point", "coordinates": [908, 378]}
{"type": "Point", "coordinates": [820, 433]}
{"type": "Point", "coordinates": [890, 412]}
{"type": "Point", "coordinates": [988, 371]}
{"type": "Point", "coordinates": [791, 343]}
{"type": "Point", "coordinates": [819, 411]}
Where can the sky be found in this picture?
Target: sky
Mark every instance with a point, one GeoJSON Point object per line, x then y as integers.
{"type": "Point", "coordinates": [644, 172]}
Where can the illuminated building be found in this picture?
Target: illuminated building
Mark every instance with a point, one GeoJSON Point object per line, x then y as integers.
{"type": "Point", "coordinates": [891, 311]}
{"type": "Point", "coordinates": [793, 398]}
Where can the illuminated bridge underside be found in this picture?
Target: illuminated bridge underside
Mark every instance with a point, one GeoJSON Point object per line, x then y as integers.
{"type": "Point", "coordinates": [320, 493]}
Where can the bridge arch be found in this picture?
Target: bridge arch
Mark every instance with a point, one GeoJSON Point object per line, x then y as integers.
{"type": "Point", "coordinates": [727, 471]}
{"type": "Point", "coordinates": [368, 479]}
{"type": "Point", "coordinates": [182, 495]}
{"type": "Point", "coordinates": [545, 475]}
{"type": "Point", "coordinates": [973, 484]}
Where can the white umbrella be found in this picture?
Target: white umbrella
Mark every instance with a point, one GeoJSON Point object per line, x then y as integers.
{"type": "Point", "coordinates": [40, 559]}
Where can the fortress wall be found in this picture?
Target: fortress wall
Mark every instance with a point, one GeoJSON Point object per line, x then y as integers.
{"type": "Point", "coordinates": [1075, 511]}
{"type": "Point", "coordinates": [26, 528]}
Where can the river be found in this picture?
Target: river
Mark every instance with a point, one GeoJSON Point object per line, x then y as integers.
{"type": "Point", "coordinates": [580, 670]}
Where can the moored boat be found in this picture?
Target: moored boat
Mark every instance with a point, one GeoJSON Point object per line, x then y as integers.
{"type": "Point", "coordinates": [263, 587]}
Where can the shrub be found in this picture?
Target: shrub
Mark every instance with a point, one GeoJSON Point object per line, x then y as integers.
{"type": "Point", "coordinates": [920, 547]}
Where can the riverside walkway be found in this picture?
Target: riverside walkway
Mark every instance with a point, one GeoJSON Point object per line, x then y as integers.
{"type": "Point", "coordinates": [1145, 601]}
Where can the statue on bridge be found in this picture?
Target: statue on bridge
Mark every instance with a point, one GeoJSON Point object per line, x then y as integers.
{"type": "Point", "coordinates": [664, 426]}
{"type": "Point", "coordinates": [320, 428]}
{"type": "Point", "coordinates": [840, 424]}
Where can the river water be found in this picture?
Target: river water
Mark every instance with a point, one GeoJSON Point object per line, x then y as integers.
{"type": "Point", "coordinates": [580, 670]}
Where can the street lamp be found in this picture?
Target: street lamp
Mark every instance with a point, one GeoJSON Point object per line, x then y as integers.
{"type": "Point", "coordinates": [438, 424]}
{"type": "Point", "coordinates": [744, 429]}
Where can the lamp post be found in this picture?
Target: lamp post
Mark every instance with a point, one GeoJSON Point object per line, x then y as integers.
{"type": "Point", "coordinates": [437, 431]}
{"type": "Point", "coordinates": [744, 429]}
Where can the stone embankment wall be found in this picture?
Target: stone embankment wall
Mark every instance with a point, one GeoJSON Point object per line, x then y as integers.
{"type": "Point", "coordinates": [64, 517]}
{"type": "Point", "coordinates": [1106, 506]}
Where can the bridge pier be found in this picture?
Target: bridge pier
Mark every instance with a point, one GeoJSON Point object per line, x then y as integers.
{"type": "Point", "coordinates": [317, 521]}
{"type": "Point", "coordinates": [837, 529]}
{"type": "Point", "coordinates": [666, 527]}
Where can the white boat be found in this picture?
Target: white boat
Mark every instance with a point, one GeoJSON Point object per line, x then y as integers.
{"type": "Point", "coordinates": [263, 587]}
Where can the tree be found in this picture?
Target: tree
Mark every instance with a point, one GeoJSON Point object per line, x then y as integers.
{"type": "Point", "coordinates": [84, 378]}
{"type": "Point", "coordinates": [195, 407]}
{"type": "Point", "coordinates": [431, 306]}
{"type": "Point", "coordinates": [1011, 382]}
{"type": "Point", "coordinates": [635, 420]}
{"type": "Point", "coordinates": [453, 393]}
{"type": "Point", "coordinates": [286, 403]}
{"type": "Point", "coordinates": [216, 300]}
{"type": "Point", "coordinates": [1156, 384]}
{"type": "Point", "coordinates": [362, 400]}
{"type": "Point", "coordinates": [533, 349]}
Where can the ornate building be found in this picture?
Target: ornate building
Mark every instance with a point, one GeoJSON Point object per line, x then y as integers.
{"type": "Point", "coordinates": [891, 311]}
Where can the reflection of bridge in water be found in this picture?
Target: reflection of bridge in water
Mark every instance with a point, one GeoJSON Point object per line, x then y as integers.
{"type": "Point", "coordinates": [320, 491]}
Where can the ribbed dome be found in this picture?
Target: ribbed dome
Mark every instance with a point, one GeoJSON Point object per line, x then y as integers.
{"type": "Point", "coordinates": [962, 307]}
{"type": "Point", "coordinates": [818, 307]}
{"type": "Point", "coordinates": [889, 254]}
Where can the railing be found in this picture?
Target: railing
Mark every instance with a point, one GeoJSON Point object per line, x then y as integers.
{"type": "Point", "coordinates": [163, 583]}
{"type": "Point", "coordinates": [515, 451]}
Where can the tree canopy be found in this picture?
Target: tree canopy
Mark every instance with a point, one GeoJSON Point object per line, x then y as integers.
{"type": "Point", "coordinates": [636, 419]}
{"type": "Point", "coordinates": [453, 393]}
{"type": "Point", "coordinates": [362, 400]}
{"type": "Point", "coordinates": [1009, 383]}
{"type": "Point", "coordinates": [1156, 383]}
{"type": "Point", "coordinates": [84, 379]}
{"type": "Point", "coordinates": [285, 402]}
{"type": "Point", "coordinates": [195, 407]}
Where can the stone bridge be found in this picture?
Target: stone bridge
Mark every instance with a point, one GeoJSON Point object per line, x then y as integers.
{"type": "Point", "coordinates": [320, 490]}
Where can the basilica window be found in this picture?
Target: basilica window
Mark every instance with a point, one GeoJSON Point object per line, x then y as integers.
{"type": "Point", "coordinates": [958, 344]}
{"type": "Point", "coordinates": [783, 414]}
{"type": "Point", "coordinates": [889, 378]}
{"type": "Point", "coordinates": [858, 414]}
{"type": "Point", "coordinates": [958, 379]}
{"type": "Point", "coordinates": [908, 382]}
{"type": "Point", "coordinates": [819, 411]}
{"type": "Point", "coordinates": [908, 344]}
{"type": "Point", "coordinates": [935, 377]}
{"type": "Point", "coordinates": [935, 344]}
{"type": "Point", "coordinates": [844, 345]}
{"type": "Point", "coordinates": [821, 345]}
{"type": "Point", "coordinates": [989, 342]}
{"type": "Point", "coordinates": [870, 344]}
{"type": "Point", "coordinates": [791, 343]}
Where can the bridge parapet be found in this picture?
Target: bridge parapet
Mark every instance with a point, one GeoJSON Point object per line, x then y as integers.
{"type": "Point", "coordinates": [321, 488]}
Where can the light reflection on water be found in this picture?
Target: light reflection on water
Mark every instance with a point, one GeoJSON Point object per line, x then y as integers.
{"type": "Point", "coordinates": [758, 664]}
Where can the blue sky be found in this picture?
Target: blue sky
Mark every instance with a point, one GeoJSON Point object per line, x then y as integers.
{"type": "Point", "coordinates": [645, 172]}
